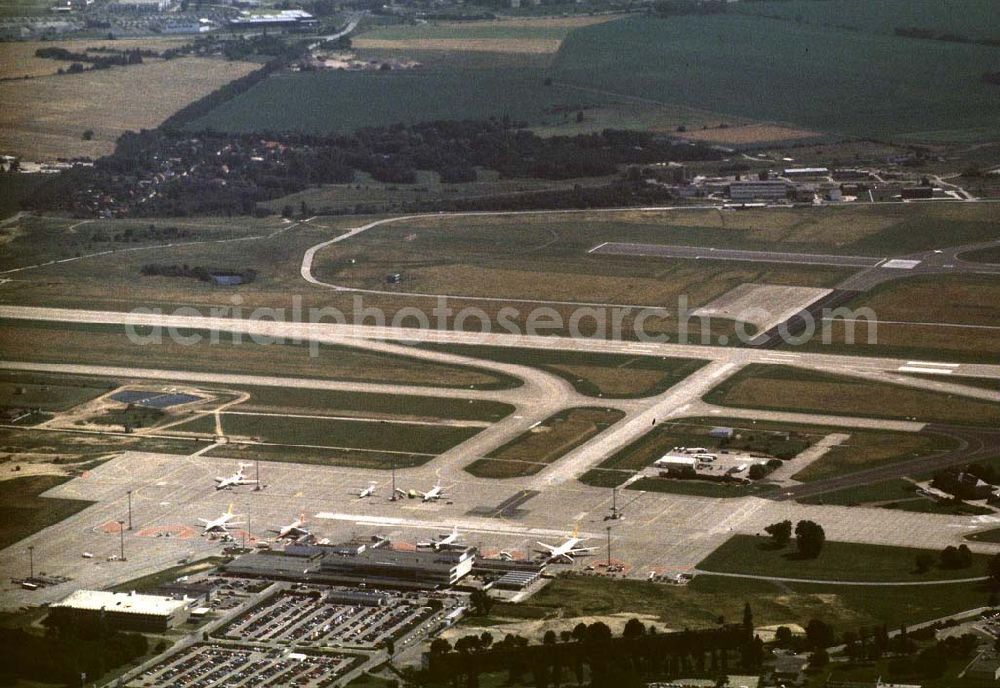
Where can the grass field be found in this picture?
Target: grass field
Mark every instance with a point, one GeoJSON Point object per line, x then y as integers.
{"type": "Point", "coordinates": [789, 73]}
{"type": "Point", "coordinates": [44, 118]}
{"type": "Point", "coordinates": [985, 536]}
{"type": "Point", "coordinates": [870, 448]}
{"type": "Point", "coordinates": [974, 18]}
{"type": "Point", "coordinates": [72, 447]}
{"type": "Point", "coordinates": [985, 255]}
{"type": "Point", "coordinates": [838, 561]}
{"type": "Point", "coordinates": [23, 511]}
{"type": "Point", "coordinates": [607, 375]}
{"type": "Point", "coordinates": [44, 342]}
{"type": "Point", "coordinates": [896, 494]}
{"type": "Point", "coordinates": [790, 389]}
{"type": "Point", "coordinates": [544, 443]}
{"type": "Point", "coordinates": [701, 603]}
{"type": "Point", "coordinates": [17, 58]}
{"type": "Point", "coordinates": [48, 392]}
{"type": "Point", "coordinates": [981, 382]}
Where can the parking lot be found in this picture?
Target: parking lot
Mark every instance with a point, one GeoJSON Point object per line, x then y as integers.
{"type": "Point", "coordinates": [206, 665]}
{"type": "Point", "coordinates": [325, 617]}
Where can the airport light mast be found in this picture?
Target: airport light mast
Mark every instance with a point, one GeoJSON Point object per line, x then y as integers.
{"type": "Point", "coordinates": [121, 538]}
{"type": "Point", "coordinates": [130, 509]}
{"type": "Point", "coordinates": [609, 546]}
{"type": "Point", "coordinates": [31, 562]}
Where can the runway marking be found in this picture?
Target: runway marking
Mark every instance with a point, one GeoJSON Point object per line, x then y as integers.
{"type": "Point", "coordinates": [463, 525]}
{"type": "Point", "coordinates": [936, 365]}
{"type": "Point", "coordinates": [929, 371]}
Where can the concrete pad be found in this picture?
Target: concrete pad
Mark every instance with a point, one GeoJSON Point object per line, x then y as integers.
{"type": "Point", "coordinates": [762, 305]}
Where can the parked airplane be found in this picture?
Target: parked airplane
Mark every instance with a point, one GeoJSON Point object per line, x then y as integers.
{"type": "Point", "coordinates": [433, 494]}
{"type": "Point", "coordinates": [293, 529]}
{"type": "Point", "coordinates": [565, 552]}
{"type": "Point", "coordinates": [235, 479]}
{"type": "Point", "coordinates": [221, 524]}
{"type": "Point", "coordinates": [368, 491]}
{"type": "Point", "coordinates": [443, 541]}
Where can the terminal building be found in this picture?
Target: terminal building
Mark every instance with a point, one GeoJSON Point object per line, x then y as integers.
{"type": "Point", "coordinates": [124, 611]}
{"type": "Point", "coordinates": [378, 567]}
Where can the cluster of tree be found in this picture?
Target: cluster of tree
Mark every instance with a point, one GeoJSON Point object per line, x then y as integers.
{"type": "Point", "coordinates": [669, 8]}
{"type": "Point", "coordinates": [65, 652]}
{"type": "Point", "coordinates": [931, 662]}
{"type": "Point", "coordinates": [121, 58]}
{"type": "Point", "coordinates": [196, 272]}
{"type": "Point", "coordinates": [809, 536]}
{"type": "Point", "coordinates": [268, 45]}
{"type": "Point", "coordinates": [762, 470]}
{"type": "Point", "coordinates": [946, 36]}
{"type": "Point", "coordinates": [136, 234]}
{"type": "Point", "coordinates": [638, 654]}
{"type": "Point", "coordinates": [230, 174]}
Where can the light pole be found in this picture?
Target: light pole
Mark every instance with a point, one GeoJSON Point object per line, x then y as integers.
{"type": "Point", "coordinates": [31, 561]}
{"type": "Point", "coordinates": [609, 547]}
{"type": "Point", "coordinates": [393, 465]}
{"type": "Point", "coordinates": [257, 487]}
{"type": "Point", "coordinates": [121, 539]}
{"type": "Point", "coordinates": [130, 509]}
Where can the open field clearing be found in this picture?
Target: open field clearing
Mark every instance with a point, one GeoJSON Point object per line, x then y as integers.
{"type": "Point", "coordinates": [23, 511]}
{"type": "Point", "coordinates": [377, 436]}
{"type": "Point", "coordinates": [700, 603]}
{"type": "Point", "coordinates": [963, 300]}
{"type": "Point", "coordinates": [320, 456]}
{"type": "Point", "coordinates": [839, 561]}
{"type": "Point", "coordinates": [863, 449]}
{"type": "Point", "coordinates": [751, 133]}
{"type": "Point", "coordinates": [898, 494]}
{"type": "Point", "coordinates": [607, 375]}
{"type": "Point", "coordinates": [44, 118]}
{"type": "Point", "coordinates": [48, 392]}
{"type": "Point", "coordinates": [17, 58]}
{"type": "Point", "coordinates": [73, 447]}
{"type": "Point", "coordinates": [791, 389]}
{"type": "Point", "coordinates": [790, 73]}
{"type": "Point", "coordinates": [973, 18]}
{"type": "Point", "coordinates": [986, 255]}
{"type": "Point", "coordinates": [545, 443]}
{"type": "Point", "coordinates": [98, 344]}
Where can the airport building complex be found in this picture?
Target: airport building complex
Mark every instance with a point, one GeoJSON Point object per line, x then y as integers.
{"type": "Point", "coordinates": [125, 611]}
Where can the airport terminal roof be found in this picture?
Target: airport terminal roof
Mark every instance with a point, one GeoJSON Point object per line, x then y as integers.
{"type": "Point", "coordinates": [123, 602]}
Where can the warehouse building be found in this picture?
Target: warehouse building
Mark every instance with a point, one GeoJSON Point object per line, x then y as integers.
{"type": "Point", "coordinates": [749, 191]}
{"type": "Point", "coordinates": [124, 611]}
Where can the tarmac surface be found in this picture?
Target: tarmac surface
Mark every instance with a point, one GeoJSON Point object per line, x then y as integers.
{"type": "Point", "coordinates": [706, 253]}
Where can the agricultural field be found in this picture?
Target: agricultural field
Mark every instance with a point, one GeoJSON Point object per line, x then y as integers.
{"type": "Point", "coordinates": [45, 118]}
{"type": "Point", "coordinates": [974, 18]}
{"type": "Point", "coordinates": [544, 443]}
{"type": "Point", "coordinates": [790, 389]}
{"type": "Point", "coordinates": [791, 73]}
{"type": "Point", "coordinates": [43, 342]}
{"type": "Point", "coordinates": [18, 60]}
{"type": "Point", "coordinates": [838, 561]}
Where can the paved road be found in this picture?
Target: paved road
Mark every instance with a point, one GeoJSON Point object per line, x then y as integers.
{"type": "Point", "coordinates": [707, 253]}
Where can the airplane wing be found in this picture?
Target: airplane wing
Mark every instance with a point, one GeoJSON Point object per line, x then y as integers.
{"type": "Point", "coordinates": [548, 547]}
{"type": "Point", "coordinates": [204, 520]}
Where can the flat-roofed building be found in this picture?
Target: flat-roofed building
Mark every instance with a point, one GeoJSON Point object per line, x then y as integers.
{"type": "Point", "coordinates": [125, 611]}
{"type": "Point", "coordinates": [749, 191]}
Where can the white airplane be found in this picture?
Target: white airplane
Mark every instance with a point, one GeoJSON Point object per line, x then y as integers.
{"type": "Point", "coordinates": [235, 479]}
{"type": "Point", "coordinates": [567, 551]}
{"type": "Point", "coordinates": [368, 491]}
{"type": "Point", "coordinates": [442, 541]}
{"type": "Point", "coordinates": [221, 524]}
{"type": "Point", "coordinates": [293, 529]}
{"type": "Point", "coordinates": [431, 495]}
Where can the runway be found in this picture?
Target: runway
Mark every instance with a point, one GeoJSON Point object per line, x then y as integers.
{"type": "Point", "coordinates": [704, 253]}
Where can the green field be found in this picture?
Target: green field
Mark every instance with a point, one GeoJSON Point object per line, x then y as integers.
{"type": "Point", "coordinates": [985, 255]}
{"type": "Point", "coordinates": [606, 375]}
{"type": "Point", "coordinates": [49, 392]}
{"type": "Point", "coordinates": [287, 430]}
{"type": "Point", "coordinates": [974, 18]}
{"type": "Point", "coordinates": [839, 561]}
{"type": "Point", "coordinates": [701, 603]}
{"type": "Point", "coordinates": [985, 536]}
{"type": "Point", "coordinates": [23, 511]}
{"type": "Point", "coordinates": [52, 342]}
{"type": "Point", "coordinates": [545, 443]}
{"type": "Point", "coordinates": [72, 447]}
{"type": "Point", "coordinates": [791, 389]}
{"type": "Point", "coordinates": [981, 382]}
{"type": "Point", "coordinates": [791, 72]}
{"type": "Point", "coordinates": [898, 494]}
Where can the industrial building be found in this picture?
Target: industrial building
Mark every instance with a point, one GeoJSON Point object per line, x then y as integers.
{"type": "Point", "coordinates": [125, 611]}
{"type": "Point", "coordinates": [285, 19]}
{"type": "Point", "coordinates": [378, 567]}
{"type": "Point", "coordinates": [678, 464]}
{"type": "Point", "coordinates": [749, 191]}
